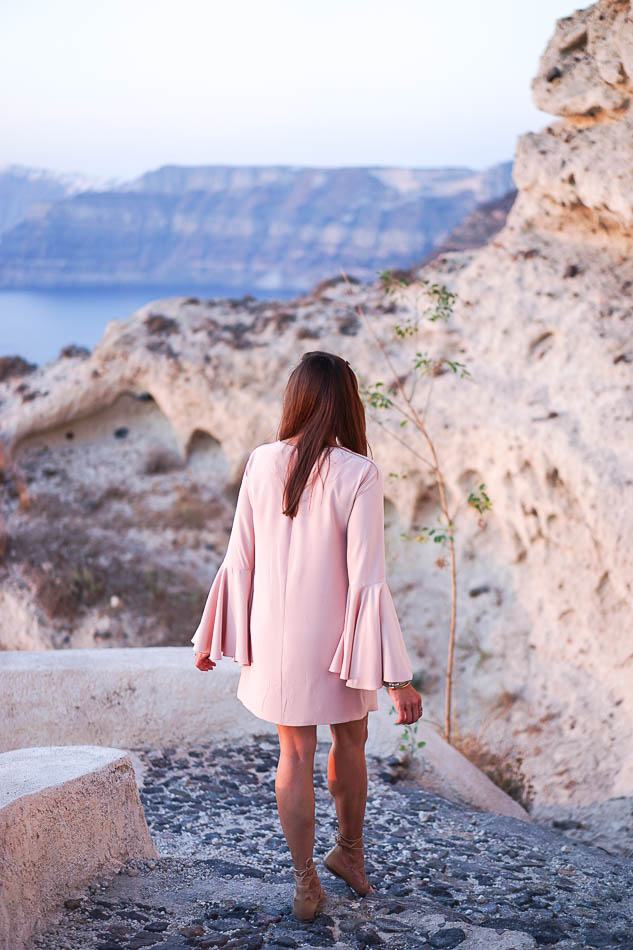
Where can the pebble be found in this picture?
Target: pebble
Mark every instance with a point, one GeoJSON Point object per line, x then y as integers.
{"type": "Point", "coordinates": [72, 903]}
{"type": "Point", "coordinates": [196, 931]}
{"type": "Point", "coordinates": [448, 938]}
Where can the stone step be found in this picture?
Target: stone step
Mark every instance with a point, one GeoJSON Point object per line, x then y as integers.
{"type": "Point", "coordinates": [67, 814]}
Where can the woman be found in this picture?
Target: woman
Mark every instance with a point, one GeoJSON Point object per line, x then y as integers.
{"type": "Point", "coordinates": [301, 602]}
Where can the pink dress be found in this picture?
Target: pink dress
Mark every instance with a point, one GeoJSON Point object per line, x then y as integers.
{"type": "Point", "coordinates": [302, 603]}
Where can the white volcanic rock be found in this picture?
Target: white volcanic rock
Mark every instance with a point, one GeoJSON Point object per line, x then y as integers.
{"type": "Point", "coordinates": [587, 67]}
{"type": "Point", "coordinates": [578, 172]}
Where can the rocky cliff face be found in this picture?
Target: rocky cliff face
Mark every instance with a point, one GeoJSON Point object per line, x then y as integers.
{"type": "Point", "coordinates": [576, 176]}
{"type": "Point", "coordinates": [267, 227]}
{"type": "Point", "coordinates": [546, 319]}
{"type": "Point", "coordinates": [542, 321]}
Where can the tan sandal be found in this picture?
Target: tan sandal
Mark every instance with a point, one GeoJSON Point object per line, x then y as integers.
{"type": "Point", "coordinates": [309, 895]}
{"type": "Point", "coordinates": [347, 861]}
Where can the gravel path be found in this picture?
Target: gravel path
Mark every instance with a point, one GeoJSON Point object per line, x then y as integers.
{"type": "Point", "coordinates": [445, 875]}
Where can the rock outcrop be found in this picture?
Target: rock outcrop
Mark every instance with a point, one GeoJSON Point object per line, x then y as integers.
{"type": "Point", "coordinates": [543, 323]}
{"type": "Point", "coordinates": [575, 178]}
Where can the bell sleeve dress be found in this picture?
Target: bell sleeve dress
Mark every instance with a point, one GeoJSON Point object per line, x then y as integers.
{"type": "Point", "coordinates": [302, 604]}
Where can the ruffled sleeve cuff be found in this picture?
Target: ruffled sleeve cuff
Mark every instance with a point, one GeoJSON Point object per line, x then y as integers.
{"type": "Point", "coordinates": [224, 629]}
{"type": "Point", "coordinates": [371, 648]}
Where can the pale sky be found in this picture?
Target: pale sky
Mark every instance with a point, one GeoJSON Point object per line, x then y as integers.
{"type": "Point", "coordinates": [115, 88]}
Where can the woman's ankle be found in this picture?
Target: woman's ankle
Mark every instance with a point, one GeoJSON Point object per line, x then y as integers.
{"type": "Point", "coordinates": [349, 841]}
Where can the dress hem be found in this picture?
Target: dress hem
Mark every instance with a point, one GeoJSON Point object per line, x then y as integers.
{"type": "Point", "coordinates": [325, 723]}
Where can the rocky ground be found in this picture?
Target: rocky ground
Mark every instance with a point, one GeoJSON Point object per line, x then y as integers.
{"type": "Point", "coordinates": [445, 875]}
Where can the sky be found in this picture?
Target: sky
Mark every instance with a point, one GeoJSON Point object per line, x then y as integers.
{"type": "Point", "coordinates": [114, 89]}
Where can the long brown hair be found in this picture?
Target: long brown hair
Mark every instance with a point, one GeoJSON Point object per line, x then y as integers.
{"type": "Point", "coordinates": [321, 405]}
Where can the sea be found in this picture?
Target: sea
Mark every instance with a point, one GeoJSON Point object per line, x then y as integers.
{"type": "Point", "coordinates": [37, 324]}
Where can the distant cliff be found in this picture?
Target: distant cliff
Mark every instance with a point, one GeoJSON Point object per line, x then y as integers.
{"type": "Point", "coordinates": [269, 227]}
{"type": "Point", "coordinates": [29, 191]}
{"type": "Point", "coordinates": [477, 228]}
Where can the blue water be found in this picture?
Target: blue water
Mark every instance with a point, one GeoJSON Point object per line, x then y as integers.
{"type": "Point", "coordinates": [36, 324]}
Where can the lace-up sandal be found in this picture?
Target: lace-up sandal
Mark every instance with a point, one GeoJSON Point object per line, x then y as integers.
{"type": "Point", "coordinates": [309, 895]}
{"type": "Point", "coordinates": [347, 861]}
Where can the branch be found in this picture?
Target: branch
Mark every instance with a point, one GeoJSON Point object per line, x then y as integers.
{"type": "Point", "coordinates": [399, 439]}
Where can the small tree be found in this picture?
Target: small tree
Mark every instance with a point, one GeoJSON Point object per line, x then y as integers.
{"type": "Point", "coordinates": [433, 302]}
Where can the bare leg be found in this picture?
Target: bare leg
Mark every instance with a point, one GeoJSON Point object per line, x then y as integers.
{"type": "Point", "coordinates": [347, 782]}
{"type": "Point", "coordinates": [294, 788]}
{"type": "Point", "coordinates": [347, 775]}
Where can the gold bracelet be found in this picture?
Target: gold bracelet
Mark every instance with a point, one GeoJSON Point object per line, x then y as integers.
{"type": "Point", "coordinates": [396, 685]}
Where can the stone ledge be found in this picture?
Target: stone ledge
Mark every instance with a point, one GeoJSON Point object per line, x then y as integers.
{"type": "Point", "coordinates": [154, 696]}
{"type": "Point", "coordinates": [66, 815]}
{"type": "Point", "coordinates": [128, 697]}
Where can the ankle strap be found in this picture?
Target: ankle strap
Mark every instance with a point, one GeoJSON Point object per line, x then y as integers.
{"type": "Point", "coordinates": [348, 842]}
{"type": "Point", "coordinates": [306, 871]}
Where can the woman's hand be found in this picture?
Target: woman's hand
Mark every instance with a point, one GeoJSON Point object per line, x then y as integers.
{"type": "Point", "coordinates": [408, 703]}
{"type": "Point", "coordinates": [203, 662]}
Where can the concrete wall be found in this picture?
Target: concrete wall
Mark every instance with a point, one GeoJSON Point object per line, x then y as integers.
{"type": "Point", "coordinates": [128, 698]}
{"type": "Point", "coordinates": [139, 697]}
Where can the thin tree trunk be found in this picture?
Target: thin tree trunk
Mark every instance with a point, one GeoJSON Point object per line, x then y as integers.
{"type": "Point", "coordinates": [444, 505]}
